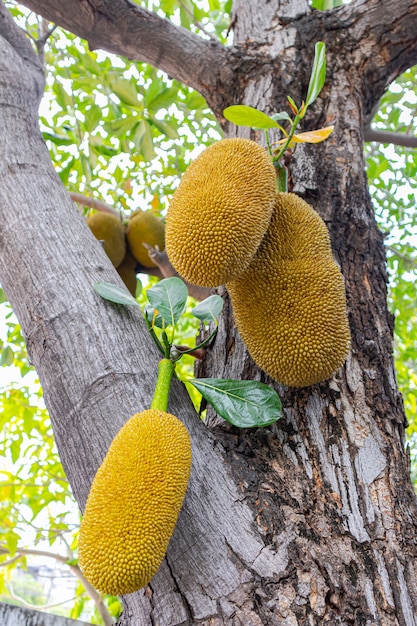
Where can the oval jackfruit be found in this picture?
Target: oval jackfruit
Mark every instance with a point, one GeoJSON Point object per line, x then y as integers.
{"type": "Point", "coordinates": [145, 227]}
{"type": "Point", "coordinates": [109, 228]}
{"type": "Point", "coordinates": [301, 233]}
{"type": "Point", "coordinates": [220, 212]}
{"type": "Point", "coordinates": [290, 304]}
{"type": "Point", "coordinates": [134, 503]}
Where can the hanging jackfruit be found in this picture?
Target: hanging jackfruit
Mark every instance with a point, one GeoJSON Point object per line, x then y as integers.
{"type": "Point", "coordinates": [290, 305]}
{"type": "Point", "coordinates": [220, 212]}
{"type": "Point", "coordinates": [134, 503]}
{"type": "Point", "coordinates": [145, 227]}
{"type": "Point", "coordinates": [109, 228]}
{"type": "Point", "coordinates": [127, 271]}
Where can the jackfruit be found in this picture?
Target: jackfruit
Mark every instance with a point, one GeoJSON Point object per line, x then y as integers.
{"type": "Point", "coordinates": [127, 271]}
{"type": "Point", "coordinates": [109, 228]}
{"type": "Point", "coordinates": [145, 227]}
{"type": "Point", "coordinates": [290, 304]}
{"type": "Point", "coordinates": [134, 502]}
{"type": "Point", "coordinates": [220, 212]}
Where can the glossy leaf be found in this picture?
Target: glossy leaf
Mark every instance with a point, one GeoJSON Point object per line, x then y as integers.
{"type": "Point", "coordinates": [114, 293]}
{"type": "Point", "coordinates": [243, 115]}
{"type": "Point", "coordinates": [318, 73]}
{"type": "Point", "coordinates": [169, 298]}
{"type": "Point", "coordinates": [209, 309]}
{"type": "Point", "coordinates": [243, 403]}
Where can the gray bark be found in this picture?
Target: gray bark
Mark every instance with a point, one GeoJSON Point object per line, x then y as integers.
{"type": "Point", "coordinates": [18, 616]}
{"type": "Point", "coordinates": [311, 521]}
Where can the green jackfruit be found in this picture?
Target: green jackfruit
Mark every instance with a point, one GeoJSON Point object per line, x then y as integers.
{"type": "Point", "coordinates": [290, 305]}
{"type": "Point", "coordinates": [134, 503]}
{"type": "Point", "coordinates": [145, 227]}
{"type": "Point", "coordinates": [109, 228]}
{"type": "Point", "coordinates": [220, 212]}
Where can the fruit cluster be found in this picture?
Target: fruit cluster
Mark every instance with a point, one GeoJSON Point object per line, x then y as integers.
{"type": "Point", "coordinates": [228, 224]}
{"type": "Point", "coordinates": [124, 244]}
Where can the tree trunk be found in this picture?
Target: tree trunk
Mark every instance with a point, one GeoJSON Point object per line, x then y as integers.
{"type": "Point", "coordinates": [312, 520]}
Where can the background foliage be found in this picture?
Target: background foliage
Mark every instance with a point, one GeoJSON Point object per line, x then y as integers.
{"type": "Point", "coordinates": [124, 132]}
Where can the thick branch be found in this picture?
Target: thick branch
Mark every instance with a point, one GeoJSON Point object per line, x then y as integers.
{"type": "Point", "coordinates": [121, 27]}
{"type": "Point", "coordinates": [379, 38]}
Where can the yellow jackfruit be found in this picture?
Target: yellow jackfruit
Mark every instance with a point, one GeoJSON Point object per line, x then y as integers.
{"type": "Point", "coordinates": [290, 304]}
{"type": "Point", "coordinates": [145, 227]}
{"type": "Point", "coordinates": [127, 271]}
{"type": "Point", "coordinates": [301, 233]}
{"type": "Point", "coordinates": [220, 212]}
{"type": "Point", "coordinates": [134, 502]}
{"type": "Point", "coordinates": [109, 228]}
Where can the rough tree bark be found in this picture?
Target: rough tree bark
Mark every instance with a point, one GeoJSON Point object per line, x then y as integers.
{"type": "Point", "coordinates": [311, 521]}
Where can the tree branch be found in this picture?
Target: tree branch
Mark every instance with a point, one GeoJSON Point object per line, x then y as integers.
{"type": "Point", "coordinates": [121, 27]}
{"type": "Point", "coordinates": [378, 37]}
{"type": "Point", "coordinates": [383, 136]}
{"type": "Point", "coordinates": [99, 205]}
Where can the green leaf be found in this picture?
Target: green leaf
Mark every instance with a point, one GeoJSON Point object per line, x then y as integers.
{"type": "Point", "coordinates": [243, 115]}
{"type": "Point", "coordinates": [294, 107]}
{"type": "Point", "coordinates": [165, 128]}
{"type": "Point", "coordinates": [162, 100]}
{"type": "Point", "coordinates": [58, 140]}
{"type": "Point", "coordinates": [7, 356]}
{"type": "Point", "coordinates": [243, 403]}
{"type": "Point", "coordinates": [318, 74]}
{"type": "Point", "coordinates": [146, 145]}
{"type": "Point", "coordinates": [125, 91]}
{"type": "Point", "coordinates": [169, 298]}
{"type": "Point", "coordinates": [121, 125]}
{"type": "Point", "coordinates": [325, 5]}
{"type": "Point", "coordinates": [114, 293]}
{"type": "Point", "coordinates": [283, 115]}
{"type": "Point", "coordinates": [93, 116]}
{"type": "Point", "coordinates": [209, 309]}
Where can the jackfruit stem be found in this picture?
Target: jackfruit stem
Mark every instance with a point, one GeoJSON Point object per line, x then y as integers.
{"type": "Point", "coordinates": [282, 177]}
{"type": "Point", "coordinates": [165, 372]}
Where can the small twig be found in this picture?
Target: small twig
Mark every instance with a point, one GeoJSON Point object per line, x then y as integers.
{"type": "Point", "coordinates": [11, 561]}
{"type": "Point", "coordinates": [92, 203]}
{"type": "Point", "coordinates": [94, 595]}
{"type": "Point", "coordinates": [38, 607]}
{"type": "Point", "coordinates": [196, 22]}
{"type": "Point", "coordinates": [402, 256]}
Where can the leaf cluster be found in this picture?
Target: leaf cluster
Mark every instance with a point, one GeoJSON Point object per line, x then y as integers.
{"type": "Point", "coordinates": [245, 404]}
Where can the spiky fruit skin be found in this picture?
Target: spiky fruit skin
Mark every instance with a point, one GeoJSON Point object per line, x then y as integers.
{"type": "Point", "coordinates": [290, 304]}
{"type": "Point", "coordinates": [144, 227]}
{"type": "Point", "coordinates": [134, 503]}
{"type": "Point", "coordinates": [127, 271]}
{"type": "Point", "coordinates": [109, 228]}
{"type": "Point", "coordinates": [220, 212]}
